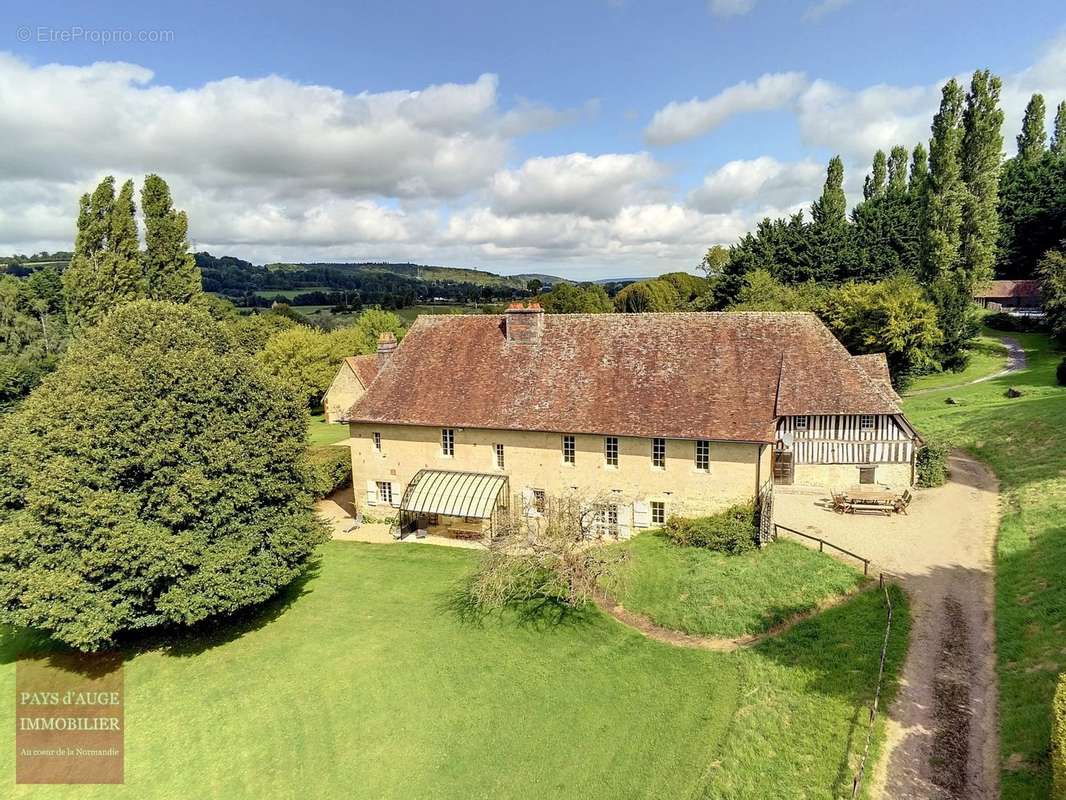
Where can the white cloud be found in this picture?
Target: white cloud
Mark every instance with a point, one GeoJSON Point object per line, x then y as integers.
{"type": "Point", "coordinates": [594, 186]}
{"type": "Point", "coordinates": [761, 182]}
{"type": "Point", "coordinates": [823, 7]}
{"type": "Point", "coordinates": [678, 121]}
{"type": "Point", "coordinates": [730, 8]}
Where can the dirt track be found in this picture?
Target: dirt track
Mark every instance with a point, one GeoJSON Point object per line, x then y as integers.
{"type": "Point", "coordinates": [942, 727]}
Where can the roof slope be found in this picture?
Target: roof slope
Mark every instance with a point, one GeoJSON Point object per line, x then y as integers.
{"type": "Point", "coordinates": [365, 367]}
{"type": "Point", "coordinates": [875, 365]}
{"type": "Point", "coordinates": [724, 376]}
{"type": "Point", "coordinates": [1005, 289]}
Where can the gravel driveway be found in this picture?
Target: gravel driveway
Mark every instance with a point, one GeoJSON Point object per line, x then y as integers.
{"type": "Point", "coordinates": [942, 740]}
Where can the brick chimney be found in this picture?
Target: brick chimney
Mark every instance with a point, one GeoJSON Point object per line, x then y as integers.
{"type": "Point", "coordinates": [524, 323]}
{"type": "Point", "coordinates": [386, 344]}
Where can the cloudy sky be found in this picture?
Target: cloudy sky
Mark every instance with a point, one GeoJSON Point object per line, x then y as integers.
{"type": "Point", "coordinates": [586, 138]}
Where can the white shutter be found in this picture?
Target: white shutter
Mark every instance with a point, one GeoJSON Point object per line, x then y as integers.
{"type": "Point", "coordinates": [527, 503]}
{"type": "Point", "coordinates": [641, 514]}
{"type": "Point", "coordinates": [397, 495]}
{"type": "Point", "coordinates": [625, 515]}
{"type": "Point", "coordinates": [371, 493]}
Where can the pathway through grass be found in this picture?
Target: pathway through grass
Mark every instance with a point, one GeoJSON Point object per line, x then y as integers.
{"type": "Point", "coordinates": [1022, 440]}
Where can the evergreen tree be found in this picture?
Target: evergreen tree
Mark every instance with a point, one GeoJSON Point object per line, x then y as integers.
{"type": "Point", "coordinates": [875, 182]}
{"type": "Point", "coordinates": [1058, 140]}
{"type": "Point", "coordinates": [919, 176]}
{"type": "Point", "coordinates": [1032, 139]}
{"type": "Point", "coordinates": [943, 207]}
{"type": "Point", "coordinates": [170, 270]}
{"type": "Point", "coordinates": [897, 171]}
{"type": "Point", "coordinates": [981, 154]}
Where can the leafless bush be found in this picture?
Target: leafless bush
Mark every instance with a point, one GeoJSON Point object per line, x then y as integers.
{"type": "Point", "coordinates": [551, 553]}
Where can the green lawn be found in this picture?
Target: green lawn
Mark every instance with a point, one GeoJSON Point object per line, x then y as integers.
{"type": "Point", "coordinates": [408, 314]}
{"type": "Point", "coordinates": [291, 293]}
{"type": "Point", "coordinates": [1023, 441]}
{"type": "Point", "coordinates": [321, 432]}
{"type": "Point", "coordinates": [365, 682]}
{"type": "Point", "coordinates": [703, 592]}
{"type": "Point", "coordinates": [987, 357]}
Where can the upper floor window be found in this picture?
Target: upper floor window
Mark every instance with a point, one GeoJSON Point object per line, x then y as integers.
{"type": "Point", "coordinates": [703, 455]}
{"type": "Point", "coordinates": [867, 422]}
{"type": "Point", "coordinates": [658, 453]}
{"type": "Point", "coordinates": [377, 441]}
{"type": "Point", "coordinates": [610, 448]}
{"type": "Point", "coordinates": [447, 441]}
{"type": "Point", "coordinates": [801, 423]}
{"type": "Point", "coordinates": [569, 450]}
{"type": "Point", "coordinates": [499, 456]}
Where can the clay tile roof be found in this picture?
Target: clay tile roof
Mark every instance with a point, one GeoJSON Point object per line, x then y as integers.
{"type": "Point", "coordinates": [1005, 289]}
{"type": "Point", "coordinates": [875, 365]}
{"type": "Point", "coordinates": [364, 367]}
{"type": "Point", "coordinates": [686, 375]}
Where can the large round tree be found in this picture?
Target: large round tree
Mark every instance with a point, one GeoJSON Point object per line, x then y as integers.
{"type": "Point", "coordinates": [155, 478]}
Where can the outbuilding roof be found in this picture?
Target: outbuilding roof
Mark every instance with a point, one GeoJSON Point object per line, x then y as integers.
{"type": "Point", "coordinates": [721, 376]}
{"type": "Point", "coordinates": [364, 367]}
{"type": "Point", "coordinates": [1004, 289]}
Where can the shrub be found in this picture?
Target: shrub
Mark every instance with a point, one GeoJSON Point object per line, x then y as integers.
{"type": "Point", "coordinates": [1058, 742]}
{"type": "Point", "coordinates": [932, 464]}
{"type": "Point", "coordinates": [1002, 321]}
{"type": "Point", "coordinates": [731, 531]}
{"type": "Point", "coordinates": [1060, 372]}
{"type": "Point", "coordinates": [327, 469]}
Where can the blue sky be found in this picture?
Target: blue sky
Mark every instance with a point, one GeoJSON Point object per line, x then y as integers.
{"type": "Point", "coordinates": [559, 137]}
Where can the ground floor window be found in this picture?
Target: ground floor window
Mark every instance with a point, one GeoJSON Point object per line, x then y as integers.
{"type": "Point", "coordinates": [866, 475]}
{"type": "Point", "coordinates": [658, 512]}
{"type": "Point", "coordinates": [538, 501]}
{"type": "Point", "coordinates": [607, 519]}
{"type": "Point", "coordinates": [385, 492]}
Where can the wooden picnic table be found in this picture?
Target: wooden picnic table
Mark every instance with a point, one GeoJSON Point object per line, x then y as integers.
{"type": "Point", "coordinates": [872, 496]}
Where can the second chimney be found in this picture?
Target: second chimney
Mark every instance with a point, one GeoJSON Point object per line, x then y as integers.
{"type": "Point", "coordinates": [386, 344]}
{"type": "Point", "coordinates": [524, 323]}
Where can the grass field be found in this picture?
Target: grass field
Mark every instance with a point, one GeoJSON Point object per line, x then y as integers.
{"type": "Point", "coordinates": [698, 591]}
{"type": "Point", "coordinates": [1022, 440]}
{"type": "Point", "coordinates": [363, 681]}
{"type": "Point", "coordinates": [987, 357]}
{"type": "Point", "coordinates": [291, 293]}
{"type": "Point", "coordinates": [321, 432]}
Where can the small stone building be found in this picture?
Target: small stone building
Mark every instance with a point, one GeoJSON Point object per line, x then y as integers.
{"type": "Point", "coordinates": [654, 414]}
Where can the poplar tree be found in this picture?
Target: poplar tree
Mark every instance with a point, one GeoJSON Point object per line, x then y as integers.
{"type": "Point", "coordinates": [170, 271]}
{"type": "Point", "coordinates": [897, 171]}
{"type": "Point", "coordinates": [875, 182]}
{"type": "Point", "coordinates": [943, 206]}
{"type": "Point", "coordinates": [1058, 140]}
{"type": "Point", "coordinates": [919, 175]}
{"type": "Point", "coordinates": [981, 157]}
{"type": "Point", "coordinates": [1032, 139]}
{"type": "Point", "coordinates": [831, 208]}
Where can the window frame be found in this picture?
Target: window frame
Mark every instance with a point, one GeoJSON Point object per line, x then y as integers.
{"type": "Point", "coordinates": [658, 452]}
{"type": "Point", "coordinates": [384, 488]}
{"type": "Point", "coordinates": [540, 500]}
{"type": "Point", "coordinates": [569, 449]}
{"type": "Point", "coordinates": [863, 418]}
{"type": "Point", "coordinates": [870, 470]}
{"type": "Point", "coordinates": [658, 509]}
{"type": "Point", "coordinates": [610, 443]}
{"type": "Point", "coordinates": [376, 436]}
{"type": "Point", "coordinates": [499, 456]}
{"type": "Point", "coordinates": [802, 422]}
{"type": "Point", "coordinates": [703, 459]}
{"type": "Point", "coordinates": [447, 442]}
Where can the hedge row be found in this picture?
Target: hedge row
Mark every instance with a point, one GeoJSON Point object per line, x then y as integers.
{"type": "Point", "coordinates": [1058, 742]}
{"type": "Point", "coordinates": [1002, 321]}
{"type": "Point", "coordinates": [328, 468]}
{"type": "Point", "coordinates": [730, 531]}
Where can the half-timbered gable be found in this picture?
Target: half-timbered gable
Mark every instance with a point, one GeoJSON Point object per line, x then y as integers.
{"type": "Point", "coordinates": [846, 439]}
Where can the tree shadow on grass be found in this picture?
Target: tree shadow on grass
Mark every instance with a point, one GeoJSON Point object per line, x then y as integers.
{"type": "Point", "coordinates": [20, 643]}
